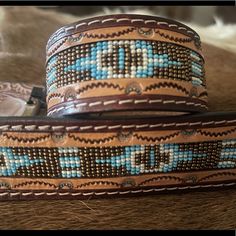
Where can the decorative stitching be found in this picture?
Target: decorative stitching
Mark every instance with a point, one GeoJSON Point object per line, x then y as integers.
{"type": "Point", "coordinates": [12, 194]}
{"type": "Point", "coordinates": [114, 34]}
{"type": "Point", "coordinates": [217, 174]}
{"type": "Point", "coordinates": [98, 183]}
{"type": "Point", "coordinates": [26, 140]}
{"type": "Point", "coordinates": [148, 126]}
{"type": "Point", "coordinates": [120, 88]}
{"type": "Point", "coordinates": [92, 141]}
{"type": "Point", "coordinates": [157, 139]}
{"type": "Point", "coordinates": [34, 183]}
{"type": "Point", "coordinates": [178, 179]}
{"type": "Point", "coordinates": [172, 38]}
{"type": "Point", "coordinates": [102, 85]}
{"type": "Point", "coordinates": [214, 134]}
{"type": "Point", "coordinates": [132, 101]}
{"type": "Point", "coordinates": [66, 29]}
{"type": "Point", "coordinates": [56, 47]}
{"type": "Point", "coordinates": [167, 84]}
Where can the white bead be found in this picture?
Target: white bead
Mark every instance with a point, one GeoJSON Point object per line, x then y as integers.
{"type": "Point", "coordinates": [145, 59]}
{"type": "Point", "coordinates": [127, 76]}
{"type": "Point", "coordinates": [139, 50]}
{"type": "Point", "coordinates": [132, 47]}
{"type": "Point", "coordinates": [132, 51]}
{"type": "Point", "coordinates": [120, 76]}
{"type": "Point", "coordinates": [150, 60]}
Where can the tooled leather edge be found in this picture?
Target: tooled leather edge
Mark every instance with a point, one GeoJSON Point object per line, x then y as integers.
{"type": "Point", "coordinates": [121, 20]}
{"type": "Point", "coordinates": [126, 102]}
{"type": "Point", "coordinates": [159, 183]}
{"type": "Point", "coordinates": [88, 36]}
{"type": "Point", "coordinates": [84, 124]}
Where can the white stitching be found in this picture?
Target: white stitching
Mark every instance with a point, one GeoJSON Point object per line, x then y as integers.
{"type": "Point", "coordinates": [173, 25]}
{"type": "Point", "coordinates": [93, 22]}
{"type": "Point", "coordinates": [94, 104]}
{"type": "Point", "coordinates": [123, 19]}
{"type": "Point", "coordinates": [116, 192]}
{"type": "Point", "coordinates": [69, 28]}
{"type": "Point", "coordinates": [77, 26]}
{"type": "Point", "coordinates": [149, 21]}
{"type": "Point", "coordinates": [44, 127]}
{"type": "Point", "coordinates": [126, 101]}
{"type": "Point", "coordinates": [100, 127]}
{"type": "Point", "coordinates": [140, 101]}
{"type": "Point", "coordinates": [130, 101]}
{"type": "Point", "coordinates": [57, 33]}
{"type": "Point", "coordinates": [136, 20]}
{"type": "Point", "coordinates": [71, 128]}
{"type": "Point", "coordinates": [111, 19]}
{"type": "Point", "coordinates": [109, 102]}
{"type": "Point", "coordinates": [48, 127]}
{"type": "Point", "coordinates": [81, 104]}
{"type": "Point", "coordinates": [114, 127]}
{"type": "Point", "coordinates": [128, 126]}
{"type": "Point", "coordinates": [141, 126]}
{"type": "Point", "coordinates": [57, 127]}
{"type": "Point", "coordinates": [86, 127]}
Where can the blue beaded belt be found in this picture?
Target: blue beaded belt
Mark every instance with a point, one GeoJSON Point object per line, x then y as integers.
{"type": "Point", "coordinates": [98, 64]}
{"type": "Point", "coordinates": [117, 87]}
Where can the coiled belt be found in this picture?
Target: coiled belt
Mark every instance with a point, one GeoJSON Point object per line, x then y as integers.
{"type": "Point", "coordinates": [125, 63]}
{"type": "Point", "coordinates": [117, 64]}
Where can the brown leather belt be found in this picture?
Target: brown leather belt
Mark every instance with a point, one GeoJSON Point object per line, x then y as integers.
{"type": "Point", "coordinates": [118, 81]}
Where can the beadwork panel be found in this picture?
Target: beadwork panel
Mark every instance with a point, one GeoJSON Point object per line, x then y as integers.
{"type": "Point", "coordinates": [94, 162]}
{"type": "Point", "coordinates": [124, 59]}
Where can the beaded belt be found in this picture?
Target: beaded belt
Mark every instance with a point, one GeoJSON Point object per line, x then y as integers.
{"type": "Point", "coordinates": [125, 62]}
{"type": "Point", "coordinates": [115, 64]}
{"type": "Point", "coordinates": [70, 158]}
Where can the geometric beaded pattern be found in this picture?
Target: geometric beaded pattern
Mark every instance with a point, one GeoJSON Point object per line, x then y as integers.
{"type": "Point", "coordinates": [114, 59]}
{"type": "Point", "coordinates": [91, 162]}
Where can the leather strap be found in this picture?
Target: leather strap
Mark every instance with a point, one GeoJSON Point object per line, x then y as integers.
{"type": "Point", "coordinates": [125, 63]}
{"type": "Point", "coordinates": [147, 70]}
{"type": "Point", "coordinates": [72, 158]}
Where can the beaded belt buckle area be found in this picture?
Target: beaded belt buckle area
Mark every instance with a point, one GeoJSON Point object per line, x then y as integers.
{"type": "Point", "coordinates": [69, 158]}
{"type": "Point", "coordinates": [125, 62]}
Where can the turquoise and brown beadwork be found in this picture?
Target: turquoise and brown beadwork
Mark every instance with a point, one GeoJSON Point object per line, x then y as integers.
{"type": "Point", "coordinates": [117, 59]}
{"type": "Point", "coordinates": [116, 161]}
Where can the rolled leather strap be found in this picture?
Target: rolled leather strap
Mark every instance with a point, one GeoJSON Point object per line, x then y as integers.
{"type": "Point", "coordinates": [110, 65]}
{"type": "Point", "coordinates": [71, 158]}
{"type": "Point", "coordinates": [125, 63]}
